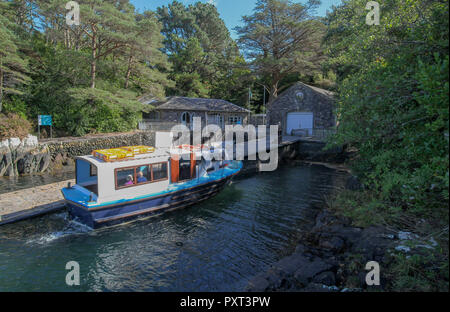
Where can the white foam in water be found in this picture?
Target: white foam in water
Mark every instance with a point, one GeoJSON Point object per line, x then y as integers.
{"type": "Point", "coordinates": [47, 238]}
{"type": "Point", "coordinates": [83, 228]}
{"type": "Point", "coordinates": [73, 228]}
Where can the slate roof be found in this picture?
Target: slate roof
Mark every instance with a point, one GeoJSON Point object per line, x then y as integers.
{"type": "Point", "coordinates": [197, 104]}
{"type": "Point", "coordinates": [319, 90]}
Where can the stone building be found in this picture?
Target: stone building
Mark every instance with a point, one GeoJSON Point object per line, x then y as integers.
{"type": "Point", "coordinates": [182, 110]}
{"type": "Point", "coordinates": [301, 109]}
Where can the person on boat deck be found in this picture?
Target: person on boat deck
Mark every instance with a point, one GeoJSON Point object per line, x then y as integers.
{"type": "Point", "coordinates": [129, 180]}
{"type": "Point", "coordinates": [141, 178]}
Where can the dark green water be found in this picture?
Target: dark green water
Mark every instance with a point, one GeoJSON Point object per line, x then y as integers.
{"type": "Point", "coordinates": [11, 184]}
{"type": "Point", "coordinates": [217, 245]}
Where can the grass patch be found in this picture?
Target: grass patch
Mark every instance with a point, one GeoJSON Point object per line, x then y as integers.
{"type": "Point", "coordinates": [363, 207]}
{"type": "Point", "coordinates": [419, 272]}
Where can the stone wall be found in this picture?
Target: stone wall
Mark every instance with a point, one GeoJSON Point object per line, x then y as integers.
{"type": "Point", "coordinates": [63, 151]}
{"type": "Point", "coordinates": [303, 98]}
{"type": "Point", "coordinates": [28, 156]}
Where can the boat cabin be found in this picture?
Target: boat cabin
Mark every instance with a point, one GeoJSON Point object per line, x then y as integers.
{"type": "Point", "coordinates": [112, 175]}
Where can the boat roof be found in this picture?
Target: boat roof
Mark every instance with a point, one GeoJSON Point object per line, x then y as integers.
{"type": "Point", "coordinates": [137, 159]}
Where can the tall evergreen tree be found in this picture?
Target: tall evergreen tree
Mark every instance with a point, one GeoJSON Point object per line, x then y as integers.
{"type": "Point", "coordinates": [201, 50]}
{"type": "Point", "coordinates": [280, 38]}
{"type": "Point", "coordinates": [146, 63]}
{"type": "Point", "coordinates": [13, 66]}
{"type": "Point", "coordinates": [108, 24]}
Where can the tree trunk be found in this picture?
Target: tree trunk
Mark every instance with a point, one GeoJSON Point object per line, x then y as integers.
{"type": "Point", "coordinates": [273, 91]}
{"type": "Point", "coordinates": [127, 77]}
{"type": "Point", "coordinates": [1, 84]}
{"type": "Point", "coordinates": [94, 60]}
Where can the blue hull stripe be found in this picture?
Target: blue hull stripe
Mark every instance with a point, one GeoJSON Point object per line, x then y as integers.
{"type": "Point", "coordinates": [132, 210]}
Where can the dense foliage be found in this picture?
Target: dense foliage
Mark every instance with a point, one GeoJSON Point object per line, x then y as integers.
{"type": "Point", "coordinates": [89, 76]}
{"type": "Point", "coordinates": [393, 99]}
{"type": "Point", "coordinates": [206, 61]}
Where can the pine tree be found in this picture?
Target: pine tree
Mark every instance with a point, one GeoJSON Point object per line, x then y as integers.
{"type": "Point", "coordinates": [12, 65]}
{"type": "Point", "coordinates": [282, 37]}
{"type": "Point", "coordinates": [145, 60]}
{"type": "Point", "coordinates": [200, 48]}
{"type": "Point", "coordinates": [108, 25]}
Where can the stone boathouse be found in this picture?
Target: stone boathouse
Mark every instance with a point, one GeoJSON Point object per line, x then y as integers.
{"type": "Point", "coordinates": [178, 109]}
{"type": "Point", "coordinates": [301, 109]}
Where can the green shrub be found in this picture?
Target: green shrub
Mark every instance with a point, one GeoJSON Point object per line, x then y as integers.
{"type": "Point", "coordinates": [15, 105]}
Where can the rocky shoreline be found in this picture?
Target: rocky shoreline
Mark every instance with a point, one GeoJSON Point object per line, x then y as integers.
{"type": "Point", "coordinates": [322, 258]}
{"type": "Point", "coordinates": [332, 255]}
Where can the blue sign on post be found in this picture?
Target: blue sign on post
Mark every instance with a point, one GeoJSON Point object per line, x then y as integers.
{"type": "Point", "coordinates": [45, 120]}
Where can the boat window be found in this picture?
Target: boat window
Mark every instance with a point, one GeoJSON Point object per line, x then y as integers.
{"type": "Point", "coordinates": [93, 171]}
{"type": "Point", "coordinates": [139, 175]}
{"type": "Point", "coordinates": [159, 171]}
{"type": "Point", "coordinates": [125, 177]}
{"type": "Point", "coordinates": [143, 174]}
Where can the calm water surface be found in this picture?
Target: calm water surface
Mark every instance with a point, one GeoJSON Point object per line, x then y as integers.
{"type": "Point", "coordinates": [11, 184]}
{"type": "Point", "coordinates": [217, 245]}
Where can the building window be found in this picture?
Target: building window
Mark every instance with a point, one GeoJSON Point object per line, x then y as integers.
{"type": "Point", "coordinates": [235, 120]}
{"type": "Point", "coordinates": [139, 175]}
{"type": "Point", "coordinates": [219, 119]}
{"type": "Point", "coordinates": [186, 118]}
{"type": "Point", "coordinates": [154, 115]}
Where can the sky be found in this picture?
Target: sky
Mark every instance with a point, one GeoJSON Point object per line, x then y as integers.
{"type": "Point", "coordinates": [230, 10]}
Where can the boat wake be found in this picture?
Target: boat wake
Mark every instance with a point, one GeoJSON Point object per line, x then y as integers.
{"type": "Point", "coordinates": [72, 227]}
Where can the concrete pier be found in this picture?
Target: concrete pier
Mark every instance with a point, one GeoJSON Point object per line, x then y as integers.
{"type": "Point", "coordinates": [31, 202]}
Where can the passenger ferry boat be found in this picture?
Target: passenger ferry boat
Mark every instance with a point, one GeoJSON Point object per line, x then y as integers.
{"type": "Point", "coordinates": [118, 185]}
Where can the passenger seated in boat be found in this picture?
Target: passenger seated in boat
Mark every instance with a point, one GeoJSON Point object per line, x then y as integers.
{"type": "Point", "coordinates": [129, 180]}
{"type": "Point", "coordinates": [141, 178]}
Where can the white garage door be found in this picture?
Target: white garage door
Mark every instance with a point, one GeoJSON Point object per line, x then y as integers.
{"type": "Point", "coordinates": [299, 120]}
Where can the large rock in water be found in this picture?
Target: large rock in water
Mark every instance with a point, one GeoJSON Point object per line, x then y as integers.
{"type": "Point", "coordinates": [294, 271]}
